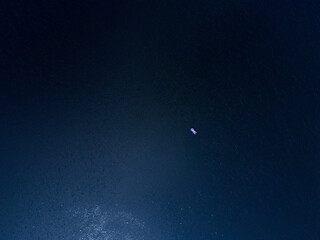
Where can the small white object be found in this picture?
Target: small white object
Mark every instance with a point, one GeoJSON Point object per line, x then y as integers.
{"type": "Point", "coordinates": [193, 131]}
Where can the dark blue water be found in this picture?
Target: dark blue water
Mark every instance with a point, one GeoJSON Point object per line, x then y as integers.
{"type": "Point", "coordinates": [97, 99]}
